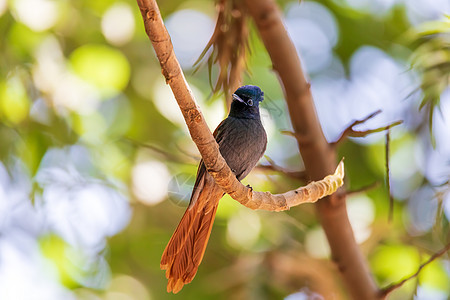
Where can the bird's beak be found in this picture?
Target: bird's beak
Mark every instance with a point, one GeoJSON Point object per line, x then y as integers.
{"type": "Point", "coordinates": [236, 97]}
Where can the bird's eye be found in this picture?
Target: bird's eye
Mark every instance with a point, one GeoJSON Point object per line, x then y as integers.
{"type": "Point", "coordinates": [250, 102]}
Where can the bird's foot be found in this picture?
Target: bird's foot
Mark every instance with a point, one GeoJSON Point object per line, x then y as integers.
{"type": "Point", "coordinates": [248, 185]}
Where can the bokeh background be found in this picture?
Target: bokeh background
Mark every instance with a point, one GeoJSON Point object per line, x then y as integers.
{"type": "Point", "coordinates": [97, 164]}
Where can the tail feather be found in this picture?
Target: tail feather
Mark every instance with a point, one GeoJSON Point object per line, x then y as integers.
{"type": "Point", "coordinates": [186, 248]}
{"type": "Point", "coordinates": [179, 237]}
{"type": "Point", "coordinates": [202, 235]}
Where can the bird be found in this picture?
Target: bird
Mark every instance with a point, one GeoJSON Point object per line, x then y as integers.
{"type": "Point", "coordinates": [242, 142]}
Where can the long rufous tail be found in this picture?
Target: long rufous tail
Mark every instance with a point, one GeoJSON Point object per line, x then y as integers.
{"type": "Point", "coordinates": [185, 250]}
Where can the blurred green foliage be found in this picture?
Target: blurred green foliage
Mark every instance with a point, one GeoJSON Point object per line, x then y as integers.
{"type": "Point", "coordinates": [432, 58]}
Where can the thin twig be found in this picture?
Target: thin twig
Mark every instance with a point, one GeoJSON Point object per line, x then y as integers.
{"type": "Point", "coordinates": [298, 175]}
{"type": "Point", "coordinates": [364, 133]}
{"type": "Point", "coordinates": [385, 291]}
{"type": "Point", "coordinates": [170, 156]}
{"type": "Point", "coordinates": [363, 189]}
{"type": "Point", "coordinates": [188, 154]}
{"type": "Point", "coordinates": [351, 132]}
{"type": "Point", "coordinates": [388, 178]}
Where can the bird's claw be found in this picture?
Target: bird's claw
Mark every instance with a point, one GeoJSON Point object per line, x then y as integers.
{"type": "Point", "coordinates": [248, 185]}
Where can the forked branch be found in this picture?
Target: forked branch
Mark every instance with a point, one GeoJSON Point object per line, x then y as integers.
{"type": "Point", "coordinates": [351, 132]}
{"type": "Point", "coordinates": [202, 137]}
{"type": "Point", "coordinates": [384, 292]}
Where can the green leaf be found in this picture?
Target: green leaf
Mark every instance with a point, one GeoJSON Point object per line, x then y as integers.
{"type": "Point", "coordinates": [14, 102]}
{"type": "Point", "coordinates": [435, 276]}
{"type": "Point", "coordinates": [392, 263]}
{"type": "Point", "coordinates": [104, 67]}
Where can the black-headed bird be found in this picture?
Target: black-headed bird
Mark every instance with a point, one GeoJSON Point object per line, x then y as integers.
{"type": "Point", "coordinates": [242, 141]}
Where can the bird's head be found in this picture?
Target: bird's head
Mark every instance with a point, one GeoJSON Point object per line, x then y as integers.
{"type": "Point", "coordinates": [246, 101]}
{"type": "Point", "coordinates": [250, 95]}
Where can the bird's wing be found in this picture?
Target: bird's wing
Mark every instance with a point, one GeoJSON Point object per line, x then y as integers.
{"type": "Point", "coordinates": [201, 172]}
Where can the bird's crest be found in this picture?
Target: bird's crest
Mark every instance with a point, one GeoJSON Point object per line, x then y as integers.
{"type": "Point", "coordinates": [248, 94]}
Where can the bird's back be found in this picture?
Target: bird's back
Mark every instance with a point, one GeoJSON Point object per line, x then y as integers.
{"type": "Point", "coordinates": [242, 143]}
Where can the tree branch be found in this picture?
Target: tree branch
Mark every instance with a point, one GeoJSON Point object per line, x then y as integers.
{"type": "Point", "coordinates": [349, 131]}
{"type": "Point", "coordinates": [318, 156]}
{"type": "Point", "coordinates": [206, 144]}
{"type": "Point", "coordinates": [388, 177]}
{"type": "Point", "coordinates": [356, 133]}
{"type": "Point", "coordinates": [384, 292]}
{"type": "Point", "coordinates": [156, 149]}
{"type": "Point", "coordinates": [298, 175]}
{"type": "Point", "coordinates": [363, 189]}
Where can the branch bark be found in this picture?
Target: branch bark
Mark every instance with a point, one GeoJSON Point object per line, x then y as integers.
{"type": "Point", "coordinates": [318, 156]}
{"type": "Point", "coordinates": [203, 138]}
